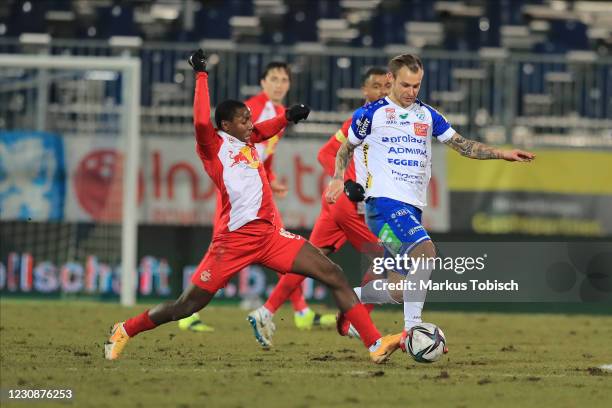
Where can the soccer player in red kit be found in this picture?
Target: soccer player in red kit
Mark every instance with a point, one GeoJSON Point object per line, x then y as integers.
{"type": "Point", "coordinates": [248, 234]}
{"type": "Point", "coordinates": [343, 221]}
{"type": "Point", "coordinates": [267, 104]}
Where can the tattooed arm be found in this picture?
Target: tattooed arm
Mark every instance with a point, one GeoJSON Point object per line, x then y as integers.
{"type": "Point", "coordinates": [336, 185]}
{"type": "Point", "coordinates": [345, 153]}
{"type": "Point", "coordinates": [476, 150]}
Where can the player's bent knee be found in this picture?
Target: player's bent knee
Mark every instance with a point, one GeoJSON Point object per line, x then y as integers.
{"type": "Point", "coordinates": [426, 249]}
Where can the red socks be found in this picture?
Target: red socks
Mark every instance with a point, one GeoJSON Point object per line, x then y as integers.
{"type": "Point", "coordinates": [369, 307]}
{"type": "Point", "coordinates": [138, 324]}
{"type": "Point", "coordinates": [360, 319]}
{"type": "Point", "coordinates": [288, 287]}
{"type": "Point", "coordinates": [297, 297]}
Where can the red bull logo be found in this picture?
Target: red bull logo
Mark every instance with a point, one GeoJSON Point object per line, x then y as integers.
{"type": "Point", "coordinates": [246, 156]}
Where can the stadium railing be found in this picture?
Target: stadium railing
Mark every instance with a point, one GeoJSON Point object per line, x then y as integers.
{"type": "Point", "coordinates": [493, 94]}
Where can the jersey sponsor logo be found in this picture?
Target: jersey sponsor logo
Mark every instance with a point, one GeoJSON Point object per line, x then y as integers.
{"type": "Point", "coordinates": [414, 230]}
{"type": "Point", "coordinates": [421, 129]}
{"type": "Point", "coordinates": [362, 127]}
{"type": "Point", "coordinates": [390, 112]}
{"type": "Point", "coordinates": [403, 115]}
{"type": "Point", "coordinates": [405, 162]}
{"type": "Point", "coordinates": [403, 139]}
{"type": "Point", "coordinates": [407, 150]}
{"type": "Point", "coordinates": [283, 232]}
{"type": "Point", "coordinates": [245, 157]}
{"type": "Point", "coordinates": [405, 176]}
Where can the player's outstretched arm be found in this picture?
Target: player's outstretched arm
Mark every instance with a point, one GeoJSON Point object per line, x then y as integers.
{"type": "Point", "coordinates": [268, 128]}
{"type": "Point", "coordinates": [336, 185]}
{"type": "Point", "coordinates": [204, 129]}
{"type": "Point", "coordinates": [477, 150]}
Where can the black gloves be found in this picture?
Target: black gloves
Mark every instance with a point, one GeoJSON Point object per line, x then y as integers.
{"type": "Point", "coordinates": [297, 112]}
{"type": "Point", "coordinates": [197, 60]}
{"type": "Point", "coordinates": [354, 191]}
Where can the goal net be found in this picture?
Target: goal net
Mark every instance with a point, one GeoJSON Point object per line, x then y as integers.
{"type": "Point", "coordinates": [69, 143]}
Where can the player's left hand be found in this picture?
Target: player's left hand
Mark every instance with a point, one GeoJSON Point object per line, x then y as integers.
{"type": "Point", "coordinates": [517, 155]}
{"type": "Point", "coordinates": [334, 189]}
{"type": "Point", "coordinates": [198, 60]}
{"type": "Point", "coordinates": [297, 112]}
{"type": "Point", "coordinates": [354, 191]}
{"type": "Point", "coordinates": [279, 189]}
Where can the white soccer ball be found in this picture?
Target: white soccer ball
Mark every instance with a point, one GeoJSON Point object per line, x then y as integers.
{"type": "Point", "coordinates": [426, 343]}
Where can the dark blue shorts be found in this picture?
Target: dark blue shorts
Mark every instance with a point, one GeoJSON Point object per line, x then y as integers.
{"type": "Point", "coordinates": [396, 224]}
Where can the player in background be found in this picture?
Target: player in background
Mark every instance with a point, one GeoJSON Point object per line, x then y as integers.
{"type": "Point", "coordinates": [248, 233]}
{"type": "Point", "coordinates": [267, 104]}
{"type": "Point", "coordinates": [343, 221]}
{"type": "Point", "coordinates": [395, 134]}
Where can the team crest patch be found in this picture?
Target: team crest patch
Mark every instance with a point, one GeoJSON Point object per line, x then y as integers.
{"type": "Point", "coordinates": [205, 276]}
{"type": "Point", "coordinates": [390, 113]}
{"type": "Point", "coordinates": [420, 115]}
{"type": "Point", "coordinates": [421, 129]}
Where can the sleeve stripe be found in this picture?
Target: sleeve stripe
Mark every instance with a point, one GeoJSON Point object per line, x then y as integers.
{"type": "Point", "coordinates": [354, 140]}
{"type": "Point", "coordinates": [446, 135]}
{"type": "Point", "coordinates": [340, 136]}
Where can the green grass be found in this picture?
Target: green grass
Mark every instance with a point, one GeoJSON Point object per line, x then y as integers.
{"type": "Point", "coordinates": [494, 360]}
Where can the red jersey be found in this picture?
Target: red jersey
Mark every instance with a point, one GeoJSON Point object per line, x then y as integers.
{"type": "Point", "coordinates": [327, 153]}
{"type": "Point", "coordinates": [234, 166]}
{"type": "Point", "coordinates": [263, 109]}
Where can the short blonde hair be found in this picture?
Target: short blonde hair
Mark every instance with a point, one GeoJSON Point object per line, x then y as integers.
{"type": "Point", "coordinates": [410, 61]}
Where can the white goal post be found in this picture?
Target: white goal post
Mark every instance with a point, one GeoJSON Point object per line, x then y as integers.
{"type": "Point", "coordinates": [130, 129]}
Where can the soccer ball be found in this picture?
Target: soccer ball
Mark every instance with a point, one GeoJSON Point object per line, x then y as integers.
{"type": "Point", "coordinates": [425, 342]}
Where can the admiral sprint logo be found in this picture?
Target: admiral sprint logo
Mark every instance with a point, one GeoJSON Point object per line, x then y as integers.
{"type": "Point", "coordinates": [245, 157]}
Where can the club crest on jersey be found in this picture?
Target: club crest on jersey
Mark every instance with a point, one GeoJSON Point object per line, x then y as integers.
{"type": "Point", "coordinates": [420, 115]}
{"type": "Point", "coordinates": [420, 129]}
{"type": "Point", "coordinates": [205, 276]}
{"type": "Point", "coordinates": [245, 157]}
{"type": "Point", "coordinates": [390, 113]}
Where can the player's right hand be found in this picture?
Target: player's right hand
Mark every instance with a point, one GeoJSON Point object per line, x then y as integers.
{"type": "Point", "coordinates": [354, 191]}
{"type": "Point", "coordinates": [334, 189]}
{"type": "Point", "coordinates": [198, 60]}
{"type": "Point", "coordinates": [297, 112]}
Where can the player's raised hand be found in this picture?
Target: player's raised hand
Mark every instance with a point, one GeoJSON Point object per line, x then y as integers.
{"type": "Point", "coordinates": [198, 60]}
{"type": "Point", "coordinates": [517, 155]}
{"type": "Point", "coordinates": [297, 112]}
{"type": "Point", "coordinates": [334, 189]}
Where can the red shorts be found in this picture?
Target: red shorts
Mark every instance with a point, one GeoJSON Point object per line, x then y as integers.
{"type": "Point", "coordinates": [340, 222]}
{"type": "Point", "coordinates": [257, 242]}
